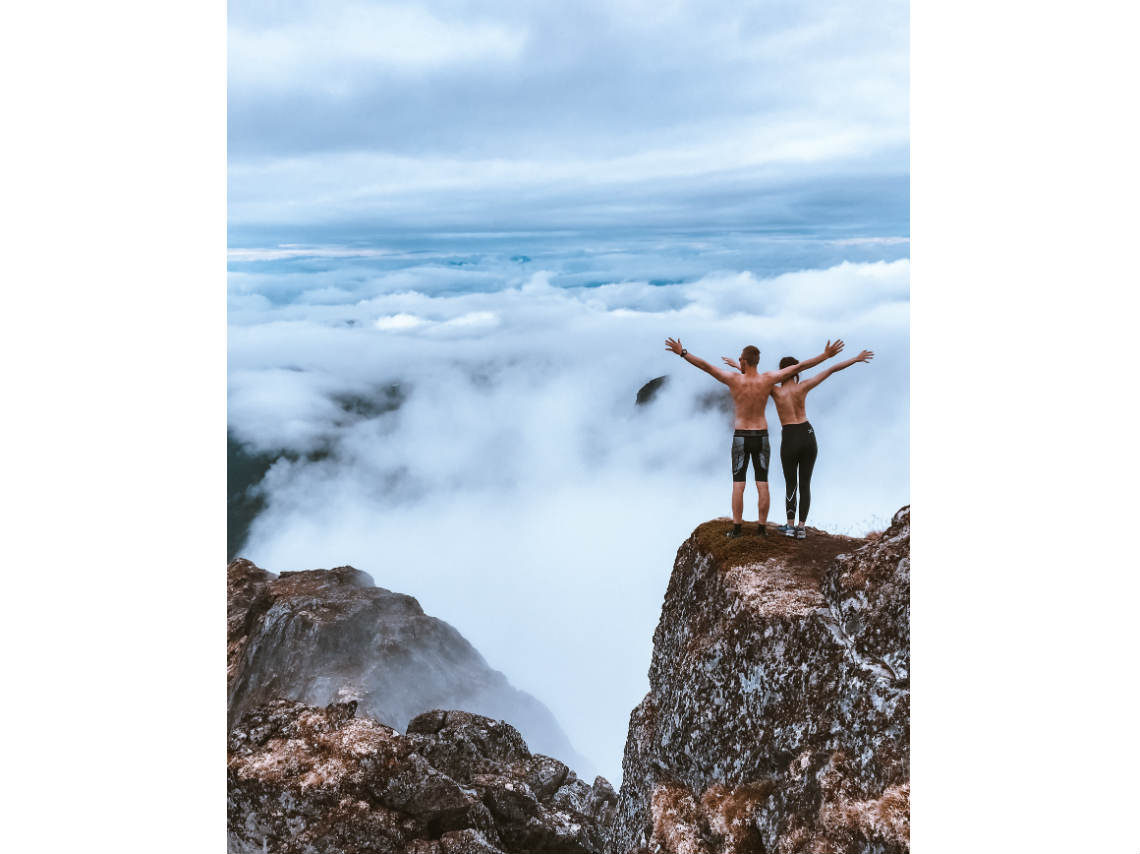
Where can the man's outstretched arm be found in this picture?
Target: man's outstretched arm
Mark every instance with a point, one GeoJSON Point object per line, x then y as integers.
{"type": "Point", "coordinates": [675, 345]}
{"type": "Point", "coordinates": [799, 367]}
{"type": "Point", "coordinates": [812, 382]}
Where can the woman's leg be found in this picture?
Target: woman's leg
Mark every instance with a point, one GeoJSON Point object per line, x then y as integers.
{"type": "Point", "coordinates": [788, 462]}
{"type": "Point", "coordinates": [807, 464]}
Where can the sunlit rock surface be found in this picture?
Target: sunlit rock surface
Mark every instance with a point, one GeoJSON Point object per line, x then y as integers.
{"type": "Point", "coordinates": [310, 779]}
{"type": "Point", "coordinates": [777, 718]}
{"type": "Point", "coordinates": [330, 635]}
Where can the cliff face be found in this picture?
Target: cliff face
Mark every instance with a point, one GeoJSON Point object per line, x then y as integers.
{"type": "Point", "coordinates": [304, 779]}
{"type": "Point", "coordinates": [325, 636]}
{"type": "Point", "coordinates": [777, 718]}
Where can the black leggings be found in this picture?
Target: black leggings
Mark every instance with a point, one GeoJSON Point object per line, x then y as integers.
{"type": "Point", "coordinates": [797, 455]}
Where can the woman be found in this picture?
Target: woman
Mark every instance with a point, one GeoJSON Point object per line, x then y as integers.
{"type": "Point", "coordinates": [798, 448]}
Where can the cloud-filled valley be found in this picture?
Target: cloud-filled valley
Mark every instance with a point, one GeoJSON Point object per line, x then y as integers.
{"type": "Point", "coordinates": [463, 427]}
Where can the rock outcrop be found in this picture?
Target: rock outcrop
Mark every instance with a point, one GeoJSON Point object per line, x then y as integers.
{"type": "Point", "coordinates": [647, 392]}
{"type": "Point", "coordinates": [307, 779]}
{"type": "Point", "coordinates": [777, 718]}
{"type": "Point", "coordinates": [330, 635]}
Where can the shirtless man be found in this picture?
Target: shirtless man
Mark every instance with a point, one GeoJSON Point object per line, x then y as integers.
{"type": "Point", "coordinates": [750, 390]}
{"type": "Point", "coordinates": [798, 448]}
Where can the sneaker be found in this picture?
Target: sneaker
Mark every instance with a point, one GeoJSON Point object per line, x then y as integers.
{"type": "Point", "coordinates": [787, 530]}
{"type": "Point", "coordinates": [801, 533]}
{"type": "Point", "coordinates": [762, 530]}
{"type": "Point", "coordinates": [733, 533]}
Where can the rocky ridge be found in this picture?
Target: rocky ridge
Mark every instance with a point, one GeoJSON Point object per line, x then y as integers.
{"type": "Point", "coordinates": [777, 718]}
{"type": "Point", "coordinates": [330, 635]}
{"type": "Point", "coordinates": [306, 779]}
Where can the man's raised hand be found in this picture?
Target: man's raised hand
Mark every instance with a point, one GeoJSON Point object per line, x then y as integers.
{"type": "Point", "coordinates": [674, 345]}
{"type": "Point", "coordinates": [865, 356]}
{"type": "Point", "coordinates": [732, 363]}
{"type": "Point", "coordinates": [833, 349]}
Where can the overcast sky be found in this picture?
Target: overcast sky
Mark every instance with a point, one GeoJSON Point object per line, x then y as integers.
{"type": "Point", "coordinates": [352, 117]}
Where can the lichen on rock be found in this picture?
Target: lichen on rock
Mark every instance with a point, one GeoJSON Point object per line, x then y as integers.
{"type": "Point", "coordinates": [304, 778]}
{"type": "Point", "coordinates": [777, 718]}
{"type": "Point", "coordinates": [331, 635]}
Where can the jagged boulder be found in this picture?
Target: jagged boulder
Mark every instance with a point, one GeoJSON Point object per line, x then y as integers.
{"type": "Point", "coordinates": [777, 718]}
{"type": "Point", "coordinates": [303, 778]}
{"type": "Point", "coordinates": [330, 635]}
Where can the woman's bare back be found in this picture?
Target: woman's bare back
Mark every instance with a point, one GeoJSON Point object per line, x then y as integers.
{"type": "Point", "coordinates": [791, 402]}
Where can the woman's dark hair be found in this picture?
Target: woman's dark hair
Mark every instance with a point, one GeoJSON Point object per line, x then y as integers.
{"type": "Point", "coordinates": [787, 362]}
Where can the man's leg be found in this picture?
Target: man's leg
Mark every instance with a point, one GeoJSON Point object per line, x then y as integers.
{"type": "Point", "coordinates": [764, 501]}
{"type": "Point", "coordinates": [761, 453]}
{"type": "Point", "coordinates": [739, 470]}
{"type": "Point", "coordinates": [738, 502]}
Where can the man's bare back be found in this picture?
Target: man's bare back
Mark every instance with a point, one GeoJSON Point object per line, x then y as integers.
{"type": "Point", "coordinates": [750, 398]}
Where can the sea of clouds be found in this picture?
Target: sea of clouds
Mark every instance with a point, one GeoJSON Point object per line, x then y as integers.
{"type": "Point", "coordinates": [516, 490]}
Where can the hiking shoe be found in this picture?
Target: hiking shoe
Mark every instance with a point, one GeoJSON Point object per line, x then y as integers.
{"type": "Point", "coordinates": [801, 533]}
{"type": "Point", "coordinates": [762, 530]}
{"type": "Point", "coordinates": [734, 533]}
{"type": "Point", "coordinates": [787, 530]}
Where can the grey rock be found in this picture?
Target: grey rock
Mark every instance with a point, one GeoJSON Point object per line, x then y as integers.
{"type": "Point", "coordinates": [304, 778]}
{"type": "Point", "coordinates": [648, 392]}
{"type": "Point", "coordinates": [545, 775]}
{"type": "Point", "coordinates": [330, 635]}
{"type": "Point", "coordinates": [778, 712]}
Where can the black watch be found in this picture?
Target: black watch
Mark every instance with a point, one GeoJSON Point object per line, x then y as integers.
{"type": "Point", "coordinates": [684, 352]}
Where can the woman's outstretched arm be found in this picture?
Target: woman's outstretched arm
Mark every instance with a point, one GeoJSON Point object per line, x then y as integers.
{"type": "Point", "coordinates": [812, 382]}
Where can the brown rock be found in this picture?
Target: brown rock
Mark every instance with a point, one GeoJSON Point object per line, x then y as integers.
{"type": "Point", "coordinates": [778, 713]}
{"type": "Point", "coordinates": [330, 635]}
{"type": "Point", "coordinates": [303, 778]}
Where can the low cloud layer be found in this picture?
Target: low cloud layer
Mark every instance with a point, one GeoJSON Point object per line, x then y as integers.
{"type": "Point", "coordinates": [513, 486]}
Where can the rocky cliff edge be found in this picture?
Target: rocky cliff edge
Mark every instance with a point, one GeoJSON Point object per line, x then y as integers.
{"type": "Point", "coordinates": [777, 718]}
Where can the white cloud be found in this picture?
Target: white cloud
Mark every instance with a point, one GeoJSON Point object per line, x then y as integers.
{"type": "Point", "coordinates": [475, 320]}
{"type": "Point", "coordinates": [342, 186]}
{"type": "Point", "coordinates": [330, 48]}
{"type": "Point", "coordinates": [491, 115]}
{"type": "Point", "coordinates": [284, 251]}
{"type": "Point", "coordinates": [517, 491]}
{"type": "Point", "coordinates": [872, 241]}
{"type": "Point", "coordinates": [398, 322]}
